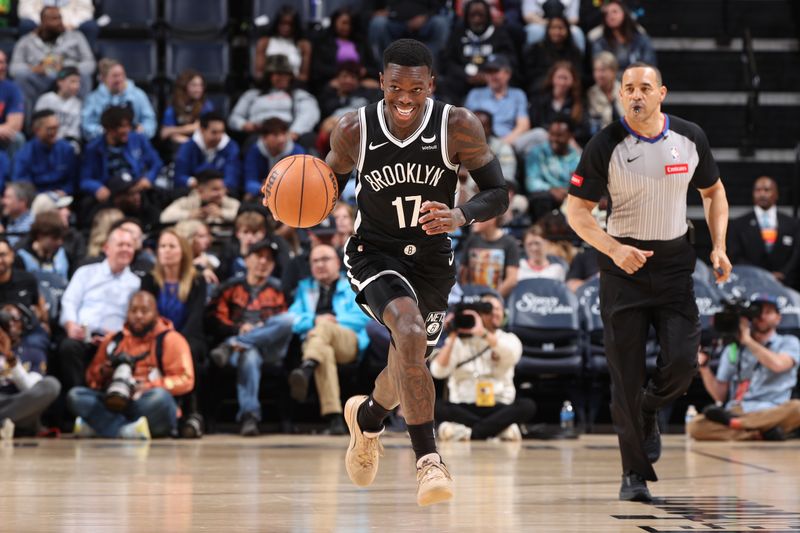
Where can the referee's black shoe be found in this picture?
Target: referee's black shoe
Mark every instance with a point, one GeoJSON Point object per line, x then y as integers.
{"type": "Point", "coordinates": [652, 435]}
{"type": "Point", "coordinates": [634, 488]}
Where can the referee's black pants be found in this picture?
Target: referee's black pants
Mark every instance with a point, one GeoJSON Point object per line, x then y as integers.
{"type": "Point", "coordinates": [660, 294]}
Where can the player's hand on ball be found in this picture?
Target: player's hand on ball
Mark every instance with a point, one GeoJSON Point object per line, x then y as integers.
{"type": "Point", "coordinates": [439, 218]}
{"type": "Point", "coordinates": [721, 265]}
{"type": "Point", "coordinates": [630, 259]}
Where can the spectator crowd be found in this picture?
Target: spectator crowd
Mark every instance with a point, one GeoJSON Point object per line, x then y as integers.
{"type": "Point", "coordinates": [133, 240]}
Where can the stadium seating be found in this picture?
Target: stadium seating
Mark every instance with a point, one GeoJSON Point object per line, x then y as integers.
{"type": "Point", "coordinates": [198, 17]}
{"type": "Point", "coordinates": [209, 58]}
{"type": "Point", "coordinates": [138, 56]}
{"type": "Point", "coordinates": [128, 19]}
{"type": "Point", "coordinates": [545, 315]}
{"type": "Point", "coordinates": [264, 11]}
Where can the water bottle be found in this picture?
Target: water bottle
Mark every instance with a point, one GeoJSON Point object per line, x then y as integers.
{"type": "Point", "coordinates": [691, 412]}
{"type": "Point", "coordinates": [567, 416]}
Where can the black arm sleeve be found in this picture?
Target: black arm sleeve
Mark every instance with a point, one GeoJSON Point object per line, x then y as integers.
{"type": "Point", "coordinates": [492, 200]}
{"type": "Point", "coordinates": [342, 179]}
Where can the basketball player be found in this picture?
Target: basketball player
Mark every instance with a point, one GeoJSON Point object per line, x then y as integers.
{"type": "Point", "coordinates": [646, 162]}
{"type": "Point", "coordinates": [407, 149]}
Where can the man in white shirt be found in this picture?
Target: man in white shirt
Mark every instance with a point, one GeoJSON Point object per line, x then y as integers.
{"type": "Point", "coordinates": [765, 237]}
{"type": "Point", "coordinates": [478, 362]}
{"type": "Point", "coordinates": [94, 303]}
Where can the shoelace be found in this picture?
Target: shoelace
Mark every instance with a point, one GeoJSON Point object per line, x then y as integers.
{"type": "Point", "coordinates": [432, 470]}
{"type": "Point", "coordinates": [367, 454]}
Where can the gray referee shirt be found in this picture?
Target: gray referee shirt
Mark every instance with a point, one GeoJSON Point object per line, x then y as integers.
{"type": "Point", "coordinates": [646, 178]}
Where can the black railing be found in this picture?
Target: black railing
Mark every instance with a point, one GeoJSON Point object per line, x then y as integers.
{"type": "Point", "coordinates": [753, 84]}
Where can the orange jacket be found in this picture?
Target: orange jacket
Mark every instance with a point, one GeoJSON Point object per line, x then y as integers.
{"type": "Point", "coordinates": [178, 378]}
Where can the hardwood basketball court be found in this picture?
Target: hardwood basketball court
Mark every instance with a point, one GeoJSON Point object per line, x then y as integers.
{"type": "Point", "coordinates": [298, 483]}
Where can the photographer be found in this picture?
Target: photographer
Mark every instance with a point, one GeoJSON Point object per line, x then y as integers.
{"type": "Point", "coordinates": [133, 378]}
{"type": "Point", "coordinates": [478, 359]}
{"type": "Point", "coordinates": [756, 375]}
{"type": "Point", "coordinates": [24, 393]}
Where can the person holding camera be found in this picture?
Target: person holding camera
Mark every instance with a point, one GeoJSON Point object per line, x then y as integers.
{"type": "Point", "coordinates": [478, 360]}
{"type": "Point", "coordinates": [134, 377]}
{"type": "Point", "coordinates": [24, 391]}
{"type": "Point", "coordinates": [756, 375]}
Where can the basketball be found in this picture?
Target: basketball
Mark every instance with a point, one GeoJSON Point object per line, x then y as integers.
{"type": "Point", "coordinates": [300, 191]}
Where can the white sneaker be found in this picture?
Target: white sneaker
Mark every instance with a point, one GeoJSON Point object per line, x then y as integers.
{"type": "Point", "coordinates": [7, 429]}
{"type": "Point", "coordinates": [434, 483]}
{"type": "Point", "coordinates": [512, 433]}
{"type": "Point", "coordinates": [453, 431]}
{"type": "Point", "coordinates": [82, 430]}
{"type": "Point", "coordinates": [138, 430]}
{"type": "Point", "coordinates": [364, 451]}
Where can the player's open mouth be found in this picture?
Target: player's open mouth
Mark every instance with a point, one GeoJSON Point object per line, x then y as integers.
{"type": "Point", "coordinates": [404, 112]}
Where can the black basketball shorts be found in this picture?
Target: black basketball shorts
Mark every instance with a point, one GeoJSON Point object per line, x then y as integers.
{"type": "Point", "coordinates": [379, 274]}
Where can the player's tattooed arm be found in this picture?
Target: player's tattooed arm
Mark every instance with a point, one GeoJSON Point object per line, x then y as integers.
{"type": "Point", "coordinates": [466, 141]}
{"type": "Point", "coordinates": [345, 145]}
{"type": "Point", "coordinates": [473, 152]}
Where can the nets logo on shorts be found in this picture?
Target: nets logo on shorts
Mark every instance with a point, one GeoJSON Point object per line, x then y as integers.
{"type": "Point", "coordinates": [434, 323]}
{"type": "Point", "coordinates": [576, 180]}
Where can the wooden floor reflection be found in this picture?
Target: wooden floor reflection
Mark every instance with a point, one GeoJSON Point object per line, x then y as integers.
{"type": "Point", "coordinates": [298, 484]}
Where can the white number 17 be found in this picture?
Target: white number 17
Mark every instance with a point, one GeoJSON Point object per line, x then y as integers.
{"type": "Point", "coordinates": [401, 217]}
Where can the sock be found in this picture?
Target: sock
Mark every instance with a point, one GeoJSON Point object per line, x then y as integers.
{"type": "Point", "coordinates": [422, 438]}
{"type": "Point", "coordinates": [370, 415]}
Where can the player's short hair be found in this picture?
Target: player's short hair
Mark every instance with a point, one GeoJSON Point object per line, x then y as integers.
{"type": "Point", "coordinates": [563, 118]}
{"type": "Point", "coordinates": [408, 53]}
{"type": "Point", "coordinates": [40, 115]}
{"type": "Point", "coordinates": [211, 116]}
{"type": "Point", "coordinates": [273, 125]}
{"type": "Point", "coordinates": [251, 221]}
{"type": "Point", "coordinates": [642, 64]}
{"type": "Point", "coordinates": [115, 116]}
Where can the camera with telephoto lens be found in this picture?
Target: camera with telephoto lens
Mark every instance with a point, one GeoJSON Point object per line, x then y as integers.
{"type": "Point", "coordinates": [122, 385]}
{"type": "Point", "coordinates": [462, 321]}
{"type": "Point", "coordinates": [726, 321]}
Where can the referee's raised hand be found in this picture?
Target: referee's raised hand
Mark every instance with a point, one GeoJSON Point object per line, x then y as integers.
{"type": "Point", "coordinates": [630, 259]}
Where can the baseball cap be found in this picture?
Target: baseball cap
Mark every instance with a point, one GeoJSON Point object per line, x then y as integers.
{"type": "Point", "coordinates": [496, 62]}
{"type": "Point", "coordinates": [120, 183]}
{"type": "Point", "coordinates": [763, 297]}
{"type": "Point", "coordinates": [49, 201]}
{"type": "Point", "coordinates": [325, 228]}
{"type": "Point", "coordinates": [264, 244]}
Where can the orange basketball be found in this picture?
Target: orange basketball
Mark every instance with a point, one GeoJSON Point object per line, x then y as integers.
{"type": "Point", "coordinates": [301, 191]}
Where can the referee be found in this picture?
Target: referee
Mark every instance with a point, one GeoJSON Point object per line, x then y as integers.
{"type": "Point", "coordinates": [646, 162]}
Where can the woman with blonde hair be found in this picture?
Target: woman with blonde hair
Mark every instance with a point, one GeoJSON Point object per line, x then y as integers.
{"type": "Point", "coordinates": [181, 297]}
{"type": "Point", "coordinates": [198, 236]}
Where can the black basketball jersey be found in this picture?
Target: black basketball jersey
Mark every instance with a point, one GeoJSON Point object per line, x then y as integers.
{"type": "Point", "coordinates": [395, 177]}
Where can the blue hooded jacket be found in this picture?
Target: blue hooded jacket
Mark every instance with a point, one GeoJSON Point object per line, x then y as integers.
{"type": "Point", "coordinates": [52, 168]}
{"type": "Point", "coordinates": [191, 159]}
{"type": "Point", "coordinates": [139, 154]}
{"type": "Point", "coordinates": [133, 97]}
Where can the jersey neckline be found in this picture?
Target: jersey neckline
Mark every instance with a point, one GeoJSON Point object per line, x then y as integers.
{"type": "Point", "coordinates": [411, 138]}
{"type": "Point", "coordinates": [644, 138]}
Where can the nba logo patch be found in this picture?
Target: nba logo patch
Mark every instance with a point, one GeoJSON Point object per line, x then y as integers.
{"type": "Point", "coordinates": [433, 324]}
{"type": "Point", "coordinates": [674, 153]}
{"type": "Point", "coordinates": [576, 180]}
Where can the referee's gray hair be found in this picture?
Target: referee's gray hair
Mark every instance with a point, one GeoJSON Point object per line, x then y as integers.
{"type": "Point", "coordinates": [642, 64]}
